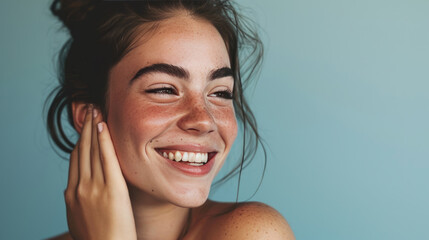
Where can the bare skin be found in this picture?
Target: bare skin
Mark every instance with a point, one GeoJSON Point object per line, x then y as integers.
{"type": "Point", "coordinates": [222, 221]}
{"type": "Point", "coordinates": [212, 220]}
{"type": "Point", "coordinates": [121, 187]}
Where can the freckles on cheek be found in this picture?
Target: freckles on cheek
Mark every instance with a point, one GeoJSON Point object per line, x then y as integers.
{"type": "Point", "coordinates": [146, 120]}
{"type": "Point", "coordinates": [227, 124]}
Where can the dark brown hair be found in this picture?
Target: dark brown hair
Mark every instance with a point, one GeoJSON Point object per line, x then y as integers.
{"type": "Point", "coordinates": [102, 32]}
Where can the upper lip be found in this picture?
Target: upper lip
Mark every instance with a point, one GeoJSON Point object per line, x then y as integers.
{"type": "Point", "coordinates": [189, 148]}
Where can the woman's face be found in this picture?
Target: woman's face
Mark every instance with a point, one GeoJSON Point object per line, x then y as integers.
{"type": "Point", "coordinates": [170, 98]}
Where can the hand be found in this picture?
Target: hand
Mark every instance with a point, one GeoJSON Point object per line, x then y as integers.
{"type": "Point", "coordinates": [97, 199]}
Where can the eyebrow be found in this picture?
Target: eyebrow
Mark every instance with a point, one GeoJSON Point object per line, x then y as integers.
{"type": "Point", "coordinates": [221, 73]}
{"type": "Point", "coordinates": [179, 72]}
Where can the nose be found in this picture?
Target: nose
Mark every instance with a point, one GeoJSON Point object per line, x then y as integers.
{"type": "Point", "coordinates": [198, 120]}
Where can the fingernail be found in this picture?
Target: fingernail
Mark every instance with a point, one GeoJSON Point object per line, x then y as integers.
{"type": "Point", "coordinates": [100, 127]}
{"type": "Point", "coordinates": [94, 113]}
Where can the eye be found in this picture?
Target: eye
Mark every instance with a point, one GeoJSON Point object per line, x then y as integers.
{"type": "Point", "coordinates": [225, 94]}
{"type": "Point", "coordinates": [162, 90]}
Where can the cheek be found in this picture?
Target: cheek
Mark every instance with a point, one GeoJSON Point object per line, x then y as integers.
{"type": "Point", "coordinates": [148, 120]}
{"type": "Point", "coordinates": [227, 125]}
{"type": "Point", "coordinates": [133, 120]}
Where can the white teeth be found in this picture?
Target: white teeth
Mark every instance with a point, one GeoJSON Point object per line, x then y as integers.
{"type": "Point", "coordinates": [194, 159]}
{"type": "Point", "coordinates": [198, 157]}
{"type": "Point", "coordinates": [195, 164]}
{"type": "Point", "coordinates": [191, 157]}
{"type": "Point", "coordinates": [185, 157]}
{"type": "Point", "coordinates": [177, 156]}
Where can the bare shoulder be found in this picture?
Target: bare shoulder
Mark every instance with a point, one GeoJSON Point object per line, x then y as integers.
{"type": "Point", "coordinates": [64, 236]}
{"type": "Point", "coordinates": [251, 220]}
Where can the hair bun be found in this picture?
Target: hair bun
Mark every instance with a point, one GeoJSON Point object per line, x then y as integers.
{"type": "Point", "coordinates": [73, 12]}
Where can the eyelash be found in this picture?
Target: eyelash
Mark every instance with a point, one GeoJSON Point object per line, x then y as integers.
{"type": "Point", "coordinates": [163, 90]}
{"type": "Point", "coordinates": [225, 94]}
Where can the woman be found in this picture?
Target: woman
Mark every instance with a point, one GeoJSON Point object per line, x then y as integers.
{"type": "Point", "coordinates": [153, 89]}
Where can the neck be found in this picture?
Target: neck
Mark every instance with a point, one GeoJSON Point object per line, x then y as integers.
{"type": "Point", "coordinates": [157, 219]}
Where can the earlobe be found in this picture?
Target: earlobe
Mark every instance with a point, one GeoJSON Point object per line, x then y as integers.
{"type": "Point", "coordinates": [79, 111]}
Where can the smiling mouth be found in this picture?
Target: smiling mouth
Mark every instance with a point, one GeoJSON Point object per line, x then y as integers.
{"type": "Point", "coordinates": [189, 158]}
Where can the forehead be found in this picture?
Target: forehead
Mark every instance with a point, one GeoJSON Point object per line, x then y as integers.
{"type": "Point", "coordinates": [184, 25]}
{"type": "Point", "coordinates": [186, 41]}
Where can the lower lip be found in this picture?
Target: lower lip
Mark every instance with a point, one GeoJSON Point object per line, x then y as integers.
{"type": "Point", "coordinates": [193, 170]}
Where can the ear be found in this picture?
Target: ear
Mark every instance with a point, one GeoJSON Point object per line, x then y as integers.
{"type": "Point", "coordinates": [79, 111]}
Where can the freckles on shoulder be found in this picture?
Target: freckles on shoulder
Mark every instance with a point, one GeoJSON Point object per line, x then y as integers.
{"type": "Point", "coordinates": [252, 220]}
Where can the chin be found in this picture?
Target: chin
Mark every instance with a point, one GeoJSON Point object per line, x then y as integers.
{"type": "Point", "coordinates": [189, 193]}
{"type": "Point", "coordinates": [188, 197]}
{"type": "Point", "coordinates": [192, 200]}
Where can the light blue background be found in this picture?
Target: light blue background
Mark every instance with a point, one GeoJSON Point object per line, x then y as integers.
{"type": "Point", "coordinates": [342, 102]}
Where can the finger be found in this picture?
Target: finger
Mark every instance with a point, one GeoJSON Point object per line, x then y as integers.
{"type": "Point", "coordinates": [73, 169]}
{"type": "Point", "coordinates": [109, 160]}
{"type": "Point", "coordinates": [85, 147]}
{"type": "Point", "coordinates": [96, 169]}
